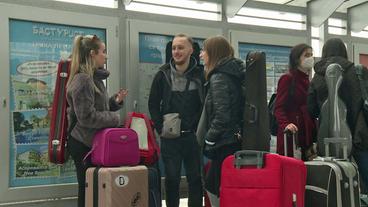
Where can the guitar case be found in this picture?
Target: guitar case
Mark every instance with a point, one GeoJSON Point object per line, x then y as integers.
{"type": "Point", "coordinates": [256, 134]}
{"type": "Point", "coordinates": [59, 122]}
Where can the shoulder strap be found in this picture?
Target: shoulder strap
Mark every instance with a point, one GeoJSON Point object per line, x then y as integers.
{"type": "Point", "coordinates": [183, 104]}
{"type": "Point", "coordinates": [363, 87]}
{"type": "Point", "coordinates": [169, 79]}
{"type": "Point", "coordinates": [291, 90]}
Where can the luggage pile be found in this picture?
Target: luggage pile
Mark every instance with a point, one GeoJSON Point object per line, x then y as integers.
{"type": "Point", "coordinates": [126, 175]}
{"type": "Point", "coordinates": [256, 178]}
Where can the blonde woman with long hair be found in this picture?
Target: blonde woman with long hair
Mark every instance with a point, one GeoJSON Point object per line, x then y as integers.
{"type": "Point", "coordinates": [88, 102]}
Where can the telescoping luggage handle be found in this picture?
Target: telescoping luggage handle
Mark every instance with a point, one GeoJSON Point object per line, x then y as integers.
{"type": "Point", "coordinates": [338, 141]}
{"type": "Point", "coordinates": [249, 158]}
{"type": "Point", "coordinates": [296, 149]}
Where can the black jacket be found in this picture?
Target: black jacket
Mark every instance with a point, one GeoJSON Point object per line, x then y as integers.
{"type": "Point", "coordinates": [163, 100]}
{"type": "Point", "coordinates": [349, 92]}
{"type": "Point", "coordinates": [224, 101]}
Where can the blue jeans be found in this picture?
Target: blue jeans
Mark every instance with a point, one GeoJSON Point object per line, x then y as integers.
{"type": "Point", "coordinates": [361, 157]}
{"type": "Point", "coordinates": [174, 152]}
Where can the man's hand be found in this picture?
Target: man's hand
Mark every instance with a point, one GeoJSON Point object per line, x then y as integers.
{"type": "Point", "coordinates": [209, 149]}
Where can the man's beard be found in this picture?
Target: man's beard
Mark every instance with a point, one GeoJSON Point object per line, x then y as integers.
{"type": "Point", "coordinates": [180, 62]}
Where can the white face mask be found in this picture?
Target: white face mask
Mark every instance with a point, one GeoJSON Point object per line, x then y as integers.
{"type": "Point", "coordinates": [308, 63]}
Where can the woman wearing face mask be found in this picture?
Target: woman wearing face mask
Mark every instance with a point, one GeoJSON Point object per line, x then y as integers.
{"type": "Point", "coordinates": [291, 99]}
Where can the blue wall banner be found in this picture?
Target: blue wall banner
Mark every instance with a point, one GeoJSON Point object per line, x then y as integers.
{"type": "Point", "coordinates": [277, 61]}
{"type": "Point", "coordinates": [35, 50]}
{"type": "Point", "coordinates": [152, 47]}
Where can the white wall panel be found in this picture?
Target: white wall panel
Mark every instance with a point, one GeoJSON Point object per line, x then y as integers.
{"type": "Point", "coordinates": [10, 11]}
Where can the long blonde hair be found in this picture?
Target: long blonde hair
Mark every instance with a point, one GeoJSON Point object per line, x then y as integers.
{"type": "Point", "coordinates": [217, 48]}
{"type": "Point", "coordinates": [82, 61]}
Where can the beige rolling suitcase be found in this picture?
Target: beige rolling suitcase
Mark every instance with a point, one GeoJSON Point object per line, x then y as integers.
{"type": "Point", "coordinates": [117, 187]}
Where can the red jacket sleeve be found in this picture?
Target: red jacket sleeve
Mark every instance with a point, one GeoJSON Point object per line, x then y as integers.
{"type": "Point", "coordinates": [282, 98]}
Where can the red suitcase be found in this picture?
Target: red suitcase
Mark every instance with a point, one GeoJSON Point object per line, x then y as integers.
{"type": "Point", "coordinates": [148, 148]}
{"type": "Point", "coordinates": [260, 179]}
{"type": "Point", "coordinates": [59, 123]}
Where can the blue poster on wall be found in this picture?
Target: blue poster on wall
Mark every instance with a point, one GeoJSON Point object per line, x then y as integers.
{"type": "Point", "coordinates": [35, 50]}
{"type": "Point", "coordinates": [152, 47]}
{"type": "Point", "coordinates": [277, 61]}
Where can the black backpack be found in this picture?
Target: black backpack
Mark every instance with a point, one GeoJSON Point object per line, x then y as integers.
{"type": "Point", "coordinates": [363, 80]}
{"type": "Point", "coordinates": [271, 108]}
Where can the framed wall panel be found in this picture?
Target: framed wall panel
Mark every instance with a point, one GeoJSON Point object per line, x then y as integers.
{"type": "Point", "coordinates": [34, 40]}
{"type": "Point", "coordinates": [277, 48]}
{"type": "Point", "coordinates": [146, 53]}
{"type": "Point", "coordinates": [360, 52]}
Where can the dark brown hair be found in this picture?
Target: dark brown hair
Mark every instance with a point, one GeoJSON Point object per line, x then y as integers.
{"type": "Point", "coordinates": [295, 54]}
{"type": "Point", "coordinates": [217, 48]}
{"type": "Point", "coordinates": [334, 47]}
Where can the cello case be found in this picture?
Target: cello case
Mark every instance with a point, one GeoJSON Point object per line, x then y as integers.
{"type": "Point", "coordinates": [333, 116]}
{"type": "Point", "coordinates": [333, 182]}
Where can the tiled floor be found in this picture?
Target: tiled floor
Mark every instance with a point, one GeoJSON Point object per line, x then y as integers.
{"type": "Point", "coordinates": [183, 202]}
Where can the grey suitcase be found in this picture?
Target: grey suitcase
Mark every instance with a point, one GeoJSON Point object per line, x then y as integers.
{"type": "Point", "coordinates": [332, 182]}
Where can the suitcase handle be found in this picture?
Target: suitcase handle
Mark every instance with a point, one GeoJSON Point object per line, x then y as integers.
{"type": "Point", "coordinates": [254, 112]}
{"type": "Point", "coordinates": [296, 148]}
{"type": "Point", "coordinates": [342, 141]}
{"type": "Point", "coordinates": [249, 158]}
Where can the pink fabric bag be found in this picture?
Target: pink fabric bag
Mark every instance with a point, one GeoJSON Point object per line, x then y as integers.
{"type": "Point", "coordinates": [115, 147]}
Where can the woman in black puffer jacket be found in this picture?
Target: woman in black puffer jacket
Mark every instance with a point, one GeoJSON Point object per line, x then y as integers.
{"type": "Point", "coordinates": [222, 110]}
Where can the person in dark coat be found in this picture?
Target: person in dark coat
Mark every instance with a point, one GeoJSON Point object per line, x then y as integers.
{"type": "Point", "coordinates": [177, 88]}
{"type": "Point", "coordinates": [222, 110]}
{"type": "Point", "coordinates": [334, 51]}
{"type": "Point", "coordinates": [291, 100]}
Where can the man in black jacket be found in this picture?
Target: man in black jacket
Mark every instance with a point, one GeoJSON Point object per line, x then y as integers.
{"type": "Point", "coordinates": [177, 89]}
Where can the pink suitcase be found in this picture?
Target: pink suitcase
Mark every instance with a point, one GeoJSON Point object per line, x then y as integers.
{"type": "Point", "coordinates": [115, 147]}
{"type": "Point", "coordinates": [259, 179]}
